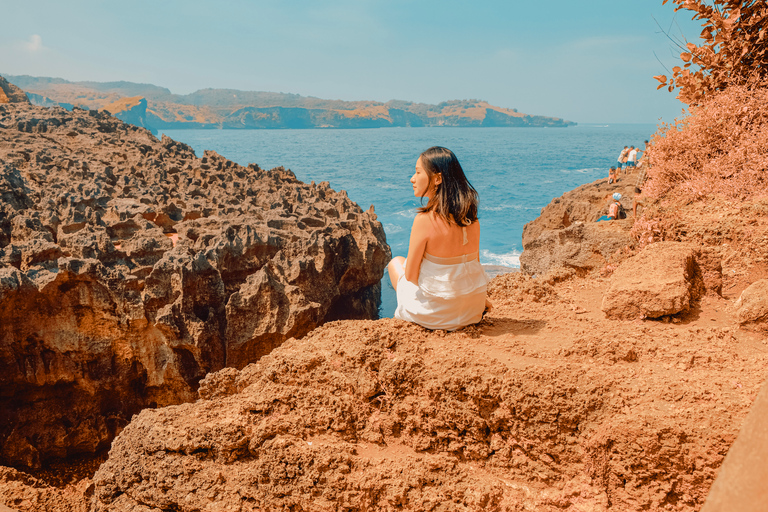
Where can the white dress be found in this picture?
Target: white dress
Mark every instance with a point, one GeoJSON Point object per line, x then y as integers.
{"type": "Point", "coordinates": [450, 294]}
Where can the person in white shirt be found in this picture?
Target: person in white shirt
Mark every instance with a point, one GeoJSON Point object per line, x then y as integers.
{"type": "Point", "coordinates": [632, 156]}
{"type": "Point", "coordinates": [622, 157]}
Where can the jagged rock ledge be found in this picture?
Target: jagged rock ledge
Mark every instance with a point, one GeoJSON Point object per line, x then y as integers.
{"type": "Point", "coordinates": [130, 268]}
{"type": "Point", "coordinates": [565, 234]}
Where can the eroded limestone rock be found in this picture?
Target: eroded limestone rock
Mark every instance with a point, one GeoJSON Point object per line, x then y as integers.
{"type": "Point", "coordinates": [566, 234]}
{"type": "Point", "coordinates": [130, 268]}
{"type": "Point", "coordinates": [26, 493]}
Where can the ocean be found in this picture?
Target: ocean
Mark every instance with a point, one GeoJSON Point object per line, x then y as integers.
{"type": "Point", "coordinates": [516, 171]}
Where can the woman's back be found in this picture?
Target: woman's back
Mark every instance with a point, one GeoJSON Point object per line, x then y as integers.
{"type": "Point", "coordinates": [447, 240]}
{"type": "Point", "coordinates": [450, 291]}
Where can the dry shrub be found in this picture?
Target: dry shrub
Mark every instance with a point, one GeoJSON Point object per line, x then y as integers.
{"type": "Point", "coordinates": [652, 226]}
{"type": "Point", "coordinates": [721, 148]}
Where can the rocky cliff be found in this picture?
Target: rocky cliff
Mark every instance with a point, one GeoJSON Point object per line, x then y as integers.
{"type": "Point", "coordinates": [566, 234]}
{"type": "Point", "coordinates": [234, 109]}
{"type": "Point", "coordinates": [9, 93]}
{"type": "Point", "coordinates": [132, 110]}
{"type": "Point", "coordinates": [130, 268]}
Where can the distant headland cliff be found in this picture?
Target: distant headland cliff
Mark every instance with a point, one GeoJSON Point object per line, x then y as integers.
{"type": "Point", "coordinates": [157, 108]}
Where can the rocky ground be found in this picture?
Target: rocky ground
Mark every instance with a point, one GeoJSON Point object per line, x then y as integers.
{"type": "Point", "coordinates": [616, 379]}
{"type": "Point", "coordinates": [545, 405]}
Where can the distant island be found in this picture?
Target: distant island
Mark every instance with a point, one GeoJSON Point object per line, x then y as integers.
{"type": "Point", "coordinates": [156, 108]}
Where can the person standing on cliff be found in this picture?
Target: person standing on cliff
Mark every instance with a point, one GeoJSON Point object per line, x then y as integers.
{"type": "Point", "coordinates": [631, 157]}
{"type": "Point", "coordinates": [622, 157]}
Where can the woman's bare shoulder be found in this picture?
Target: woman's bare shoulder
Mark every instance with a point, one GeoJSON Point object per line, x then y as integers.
{"type": "Point", "coordinates": [422, 225]}
{"type": "Point", "coordinates": [424, 219]}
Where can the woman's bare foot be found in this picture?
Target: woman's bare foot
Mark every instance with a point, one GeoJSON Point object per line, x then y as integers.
{"type": "Point", "coordinates": [488, 307]}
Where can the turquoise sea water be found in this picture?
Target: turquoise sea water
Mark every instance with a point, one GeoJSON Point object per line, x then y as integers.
{"type": "Point", "coordinates": [516, 171]}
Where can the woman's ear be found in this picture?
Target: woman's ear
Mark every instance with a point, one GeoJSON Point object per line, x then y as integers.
{"type": "Point", "coordinates": [438, 178]}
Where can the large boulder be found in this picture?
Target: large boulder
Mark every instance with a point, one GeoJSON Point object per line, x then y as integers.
{"type": "Point", "coordinates": [663, 279]}
{"type": "Point", "coordinates": [308, 428]}
{"type": "Point", "coordinates": [385, 415]}
{"type": "Point", "coordinates": [130, 268]}
{"type": "Point", "coordinates": [752, 305]}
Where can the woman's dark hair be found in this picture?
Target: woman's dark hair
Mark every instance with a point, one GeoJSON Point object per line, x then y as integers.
{"type": "Point", "coordinates": [455, 199]}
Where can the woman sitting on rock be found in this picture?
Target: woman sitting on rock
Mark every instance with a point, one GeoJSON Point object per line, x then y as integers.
{"type": "Point", "coordinates": [615, 210]}
{"type": "Point", "coordinates": [441, 285]}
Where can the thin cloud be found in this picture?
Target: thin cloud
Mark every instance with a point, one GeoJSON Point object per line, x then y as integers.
{"type": "Point", "coordinates": [35, 43]}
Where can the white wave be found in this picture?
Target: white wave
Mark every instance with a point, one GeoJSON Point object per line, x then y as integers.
{"type": "Point", "coordinates": [511, 259]}
{"type": "Point", "coordinates": [585, 170]}
{"type": "Point", "coordinates": [501, 207]}
{"type": "Point", "coordinates": [392, 228]}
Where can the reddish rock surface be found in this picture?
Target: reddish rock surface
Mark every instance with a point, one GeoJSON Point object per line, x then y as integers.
{"type": "Point", "coordinates": [130, 268]}
{"type": "Point", "coordinates": [545, 405]}
{"type": "Point", "coordinates": [752, 306]}
{"type": "Point", "coordinates": [21, 491]}
{"type": "Point", "coordinates": [663, 279]}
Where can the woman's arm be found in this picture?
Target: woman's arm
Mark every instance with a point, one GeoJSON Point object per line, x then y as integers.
{"type": "Point", "coordinates": [416, 247]}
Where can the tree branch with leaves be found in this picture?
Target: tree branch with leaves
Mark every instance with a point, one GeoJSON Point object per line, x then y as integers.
{"type": "Point", "coordinates": [733, 49]}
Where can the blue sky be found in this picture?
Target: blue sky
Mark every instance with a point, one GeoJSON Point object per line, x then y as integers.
{"type": "Point", "coordinates": [589, 62]}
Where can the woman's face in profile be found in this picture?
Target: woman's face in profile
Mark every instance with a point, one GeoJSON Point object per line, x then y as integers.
{"type": "Point", "coordinates": [423, 186]}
